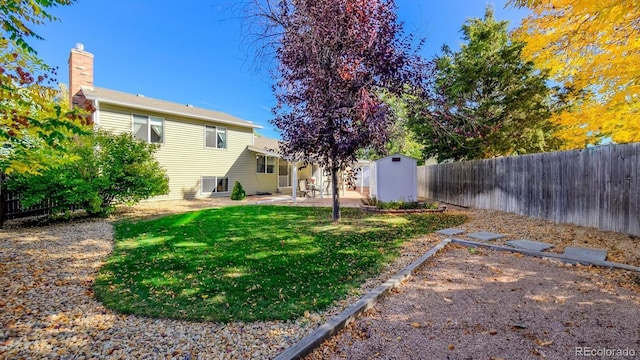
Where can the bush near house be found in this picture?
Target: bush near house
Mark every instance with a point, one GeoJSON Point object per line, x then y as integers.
{"type": "Point", "coordinates": [108, 169]}
{"type": "Point", "coordinates": [238, 192]}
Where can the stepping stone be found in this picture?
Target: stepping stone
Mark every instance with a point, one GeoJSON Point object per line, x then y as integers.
{"type": "Point", "coordinates": [527, 244]}
{"type": "Point", "coordinates": [485, 235]}
{"type": "Point", "coordinates": [585, 254]}
{"type": "Point", "coordinates": [450, 231]}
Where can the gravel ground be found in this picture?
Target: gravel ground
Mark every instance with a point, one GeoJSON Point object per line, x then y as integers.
{"type": "Point", "coordinates": [620, 247]}
{"type": "Point", "coordinates": [494, 305]}
{"type": "Point", "coordinates": [47, 308]}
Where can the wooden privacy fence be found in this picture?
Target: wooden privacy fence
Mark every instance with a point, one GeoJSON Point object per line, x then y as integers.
{"type": "Point", "coordinates": [595, 187]}
{"type": "Point", "coordinates": [10, 207]}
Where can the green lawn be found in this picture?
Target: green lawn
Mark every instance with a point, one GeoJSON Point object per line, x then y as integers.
{"type": "Point", "coordinates": [250, 262]}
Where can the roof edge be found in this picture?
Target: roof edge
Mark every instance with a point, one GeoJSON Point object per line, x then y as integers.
{"type": "Point", "coordinates": [263, 151]}
{"type": "Point", "coordinates": [170, 112]}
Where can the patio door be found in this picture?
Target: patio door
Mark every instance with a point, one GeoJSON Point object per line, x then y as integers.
{"type": "Point", "coordinates": [283, 174]}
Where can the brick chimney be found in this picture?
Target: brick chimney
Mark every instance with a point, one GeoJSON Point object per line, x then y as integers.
{"type": "Point", "coordinates": [80, 72]}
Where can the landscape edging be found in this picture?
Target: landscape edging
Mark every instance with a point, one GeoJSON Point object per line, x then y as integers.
{"type": "Point", "coordinates": [560, 257]}
{"type": "Point", "coordinates": [317, 336]}
{"type": "Point", "coordinates": [328, 329]}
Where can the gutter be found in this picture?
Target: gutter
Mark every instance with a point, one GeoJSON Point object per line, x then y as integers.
{"type": "Point", "coordinates": [169, 112]}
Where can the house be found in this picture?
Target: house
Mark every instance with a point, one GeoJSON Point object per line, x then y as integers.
{"type": "Point", "coordinates": [203, 151]}
{"type": "Point", "coordinates": [288, 173]}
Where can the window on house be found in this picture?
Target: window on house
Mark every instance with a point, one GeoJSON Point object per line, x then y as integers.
{"type": "Point", "coordinates": [215, 137]}
{"type": "Point", "coordinates": [148, 128]}
{"type": "Point", "coordinates": [265, 164]}
{"type": "Point", "coordinates": [214, 184]}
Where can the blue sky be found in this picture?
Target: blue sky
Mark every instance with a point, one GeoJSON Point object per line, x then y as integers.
{"type": "Point", "coordinates": [196, 51]}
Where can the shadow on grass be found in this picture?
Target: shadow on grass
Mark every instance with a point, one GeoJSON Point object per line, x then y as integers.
{"type": "Point", "coordinates": [250, 262]}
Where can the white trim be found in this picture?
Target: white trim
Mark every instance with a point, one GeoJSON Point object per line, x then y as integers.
{"type": "Point", "coordinates": [226, 141]}
{"type": "Point", "coordinates": [321, 170]}
{"type": "Point", "coordinates": [294, 181]}
{"type": "Point", "coordinates": [266, 165]}
{"type": "Point", "coordinates": [164, 127]}
{"type": "Point", "coordinates": [287, 175]}
{"type": "Point", "coordinates": [277, 173]}
{"type": "Point", "coordinates": [96, 114]}
{"type": "Point", "coordinates": [215, 179]}
{"type": "Point", "coordinates": [263, 151]}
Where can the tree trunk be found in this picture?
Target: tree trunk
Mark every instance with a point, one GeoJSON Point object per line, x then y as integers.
{"type": "Point", "coordinates": [335, 194]}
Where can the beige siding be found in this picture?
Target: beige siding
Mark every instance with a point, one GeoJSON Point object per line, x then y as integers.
{"type": "Point", "coordinates": [267, 182]}
{"type": "Point", "coordinates": [185, 157]}
{"type": "Point", "coordinates": [114, 121]}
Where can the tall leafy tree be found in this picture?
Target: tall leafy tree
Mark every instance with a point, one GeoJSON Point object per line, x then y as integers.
{"type": "Point", "coordinates": [19, 16]}
{"type": "Point", "coordinates": [485, 100]}
{"type": "Point", "coordinates": [334, 56]}
{"type": "Point", "coordinates": [401, 138]}
{"type": "Point", "coordinates": [35, 123]}
{"type": "Point", "coordinates": [593, 47]}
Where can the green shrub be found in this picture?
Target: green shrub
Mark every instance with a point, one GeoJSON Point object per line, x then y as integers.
{"type": "Point", "coordinates": [397, 205]}
{"type": "Point", "coordinates": [370, 201]}
{"type": "Point", "coordinates": [238, 192]}
{"type": "Point", "coordinates": [109, 169]}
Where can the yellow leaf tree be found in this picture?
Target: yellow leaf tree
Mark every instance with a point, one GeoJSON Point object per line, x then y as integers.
{"type": "Point", "coordinates": [35, 125]}
{"type": "Point", "coordinates": [594, 48]}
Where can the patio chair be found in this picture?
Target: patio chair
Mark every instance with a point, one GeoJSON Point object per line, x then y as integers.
{"type": "Point", "coordinates": [302, 188]}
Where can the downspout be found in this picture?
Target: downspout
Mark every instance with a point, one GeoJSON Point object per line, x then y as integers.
{"type": "Point", "coordinates": [96, 114]}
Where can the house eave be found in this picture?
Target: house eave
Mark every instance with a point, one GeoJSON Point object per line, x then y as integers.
{"type": "Point", "coordinates": [170, 112]}
{"type": "Point", "coordinates": [263, 151]}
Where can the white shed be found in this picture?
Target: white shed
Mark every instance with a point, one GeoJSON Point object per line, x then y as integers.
{"type": "Point", "coordinates": [394, 178]}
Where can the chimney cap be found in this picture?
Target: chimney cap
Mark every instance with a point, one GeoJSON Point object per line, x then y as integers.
{"type": "Point", "coordinates": [80, 46]}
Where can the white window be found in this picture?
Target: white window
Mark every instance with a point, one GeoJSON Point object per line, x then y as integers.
{"type": "Point", "coordinates": [214, 184]}
{"type": "Point", "coordinates": [265, 164]}
{"type": "Point", "coordinates": [215, 137]}
{"type": "Point", "coordinates": [148, 128]}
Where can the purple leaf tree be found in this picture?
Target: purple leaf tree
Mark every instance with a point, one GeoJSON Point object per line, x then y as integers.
{"type": "Point", "coordinates": [334, 59]}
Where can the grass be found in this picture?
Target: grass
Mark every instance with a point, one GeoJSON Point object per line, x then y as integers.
{"type": "Point", "coordinates": [250, 262]}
